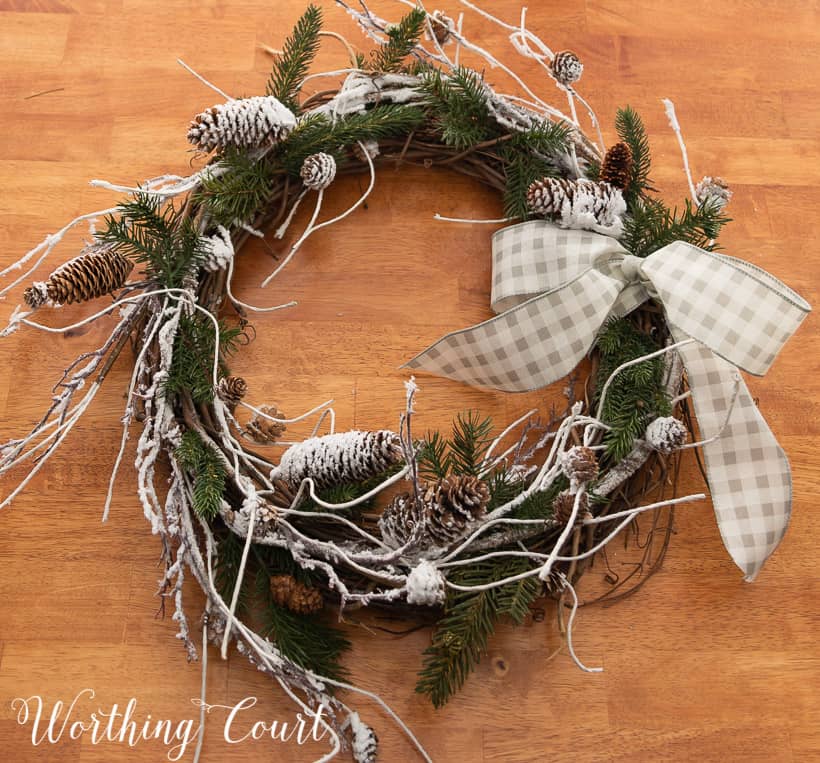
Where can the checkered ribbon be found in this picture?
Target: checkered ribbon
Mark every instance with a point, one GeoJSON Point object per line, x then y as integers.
{"type": "Point", "coordinates": [554, 288]}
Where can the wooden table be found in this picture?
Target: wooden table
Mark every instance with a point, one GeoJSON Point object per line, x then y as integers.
{"type": "Point", "coordinates": [698, 665]}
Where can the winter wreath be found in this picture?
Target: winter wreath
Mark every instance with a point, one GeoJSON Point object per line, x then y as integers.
{"type": "Point", "coordinates": [474, 525]}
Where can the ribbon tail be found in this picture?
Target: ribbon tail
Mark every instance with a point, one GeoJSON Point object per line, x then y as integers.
{"type": "Point", "coordinates": [529, 346]}
{"type": "Point", "coordinates": [748, 473]}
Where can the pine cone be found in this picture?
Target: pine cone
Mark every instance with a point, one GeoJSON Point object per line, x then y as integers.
{"type": "Point", "coordinates": [617, 166]}
{"type": "Point", "coordinates": [232, 389]}
{"type": "Point", "coordinates": [443, 27]}
{"type": "Point", "coordinates": [579, 464]}
{"type": "Point", "coordinates": [219, 248]}
{"type": "Point", "coordinates": [714, 191]}
{"type": "Point", "coordinates": [98, 270]}
{"type": "Point", "coordinates": [289, 593]}
{"type": "Point", "coordinates": [566, 67]}
{"type": "Point", "coordinates": [336, 459]}
{"type": "Point", "coordinates": [666, 434]}
{"type": "Point", "coordinates": [243, 123]}
{"type": "Point", "coordinates": [318, 171]}
{"type": "Point", "coordinates": [578, 204]}
{"type": "Point", "coordinates": [398, 520]}
{"type": "Point", "coordinates": [451, 505]}
{"type": "Point", "coordinates": [264, 431]}
{"type": "Point", "coordinates": [563, 504]}
{"type": "Point", "coordinates": [371, 149]}
{"type": "Point", "coordinates": [364, 742]}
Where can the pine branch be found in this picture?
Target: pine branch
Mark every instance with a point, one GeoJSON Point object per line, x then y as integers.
{"type": "Point", "coordinates": [432, 457]}
{"type": "Point", "coordinates": [226, 571]}
{"type": "Point", "coordinates": [401, 39]}
{"type": "Point", "coordinates": [299, 50]}
{"type": "Point", "coordinates": [631, 130]}
{"type": "Point", "coordinates": [208, 474]}
{"type": "Point", "coordinates": [470, 440]}
{"type": "Point", "coordinates": [238, 194]}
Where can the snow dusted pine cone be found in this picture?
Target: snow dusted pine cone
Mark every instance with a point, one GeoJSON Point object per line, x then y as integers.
{"type": "Point", "coordinates": [566, 67]}
{"type": "Point", "coordinates": [563, 504]}
{"type": "Point", "coordinates": [617, 166]}
{"type": "Point", "coordinates": [443, 27]}
{"type": "Point", "coordinates": [364, 742]}
{"type": "Point", "coordinates": [219, 248]}
{"type": "Point", "coordinates": [318, 171]}
{"type": "Point", "coordinates": [362, 149]}
{"type": "Point", "coordinates": [263, 430]}
{"type": "Point", "coordinates": [289, 593]}
{"type": "Point", "coordinates": [666, 434]}
{"type": "Point", "coordinates": [98, 270]}
{"type": "Point", "coordinates": [244, 123]}
{"type": "Point", "coordinates": [232, 389]}
{"type": "Point", "coordinates": [398, 520]}
{"type": "Point", "coordinates": [579, 464]}
{"type": "Point", "coordinates": [451, 505]}
{"type": "Point", "coordinates": [579, 204]}
{"type": "Point", "coordinates": [713, 191]}
{"type": "Point", "coordinates": [336, 459]}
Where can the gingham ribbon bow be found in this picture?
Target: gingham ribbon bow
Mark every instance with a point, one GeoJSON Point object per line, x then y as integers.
{"type": "Point", "coordinates": [553, 290]}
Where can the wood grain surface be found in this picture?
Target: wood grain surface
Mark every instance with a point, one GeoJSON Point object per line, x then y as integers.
{"type": "Point", "coordinates": [698, 665]}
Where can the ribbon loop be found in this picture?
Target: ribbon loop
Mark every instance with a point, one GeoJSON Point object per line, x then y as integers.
{"type": "Point", "coordinates": [554, 288]}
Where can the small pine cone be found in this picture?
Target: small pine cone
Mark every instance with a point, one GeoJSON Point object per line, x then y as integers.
{"type": "Point", "coordinates": [452, 505]}
{"type": "Point", "coordinates": [98, 270]}
{"type": "Point", "coordinates": [219, 250]}
{"type": "Point", "coordinates": [398, 520]}
{"type": "Point", "coordinates": [363, 149]}
{"type": "Point", "coordinates": [579, 204]}
{"type": "Point", "coordinates": [425, 585]}
{"type": "Point", "coordinates": [289, 593]}
{"type": "Point", "coordinates": [318, 171]}
{"type": "Point", "coordinates": [563, 504]}
{"type": "Point", "coordinates": [714, 191]}
{"type": "Point", "coordinates": [244, 123]}
{"type": "Point", "coordinates": [579, 464]}
{"type": "Point", "coordinates": [666, 434]}
{"type": "Point", "coordinates": [232, 389]}
{"type": "Point", "coordinates": [341, 458]}
{"type": "Point", "coordinates": [264, 431]}
{"type": "Point", "coordinates": [566, 67]}
{"type": "Point", "coordinates": [443, 27]}
{"type": "Point", "coordinates": [364, 742]}
{"type": "Point", "coordinates": [617, 166]}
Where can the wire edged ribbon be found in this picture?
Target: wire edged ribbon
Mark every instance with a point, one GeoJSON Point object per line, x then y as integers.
{"type": "Point", "coordinates": [554, 288]}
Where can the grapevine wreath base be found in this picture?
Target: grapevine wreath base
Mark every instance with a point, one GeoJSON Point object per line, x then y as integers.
{"type": "Point", "coordinates": [473, 527]}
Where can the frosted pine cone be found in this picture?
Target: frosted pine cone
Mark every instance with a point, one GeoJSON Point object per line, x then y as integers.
{"type": "Point", "coordinates": [579, 464]}
{"type": "Point", "coordinates": [289, 593]}
{"type": "Point", "coordinates": [617, 166]}
{"type": "Point", "coordinates": [364, 742]}
{"type": "Point", "coordinates": [564, 503]}
{"type": "Point", "coordinates": [452, 505]}
{"type": "Point", "coordinates": [566, 67]}
{"type": "Point", "coordinates": [425, 585]}
{"type": "Point", "coordinates": [579, 204]}
{"type": "Point", "coordinates": [714, 191]}
{"type": "Point", "coordinates": [219, 249]}
{"type": "Point", "coordinates": [244, 123]}
{"type": "Point", "coordinates": [666, 434]}
{"type": "Point", "coordinates": [363, 149]}
{"type": "Point", "coordinates": [264, 431]}
{"type": "Point", "coordinates": [232, 389]}
{"type": "Point", "coordinates": [341, 458]}
{"type": "Point", "coordinates": [443, 27]}
{"type": "Point", "coordinates": [318, 171]}
{"type": "Point", "coordinates": [398, 520]}
{"type": "Point", "coordinates": [96, 271]}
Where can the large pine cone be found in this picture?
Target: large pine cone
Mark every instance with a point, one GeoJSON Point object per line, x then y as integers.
{"type": "Point", "coordinates": [297, 597]}
{"type": "Point", "coordinates": [579, 204]}
{"type": "Point", "coordinates": [243, 123]}
{"type": "Point", "coordinates": [617, 166]}
{"type": "Point", "coordinates": [97, 271]}
{"type": "Point", "coordinates": [452, 505]}
{"type": "Point", "coordinates": [398, 520]}
{"type": "Point", "coordinates": [338, 459]}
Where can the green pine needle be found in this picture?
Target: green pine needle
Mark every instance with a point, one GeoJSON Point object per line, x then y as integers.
{"type": "Point", "coordinates": [298, 53]}
{"type": "Point", "coordinates": [401, 39]}
{"type": "Point", "coordinates": [208, 473]}
{"type": "Point", "coordinates": [631, 130]}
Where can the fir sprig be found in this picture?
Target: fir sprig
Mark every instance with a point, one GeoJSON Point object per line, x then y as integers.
{"type": "Point", "coordinates": [636, 395]}
{"type": "Point", "coordinates": [299, 50]}
{"type": "Point", "coordinates": [461, 636]}
{"type": "Point", "coordinates": [208, 474]}
{"type": "Point", "coordinates": [154, 233]}
{"type": "Point", "coordinates": [401, 39]}
{"type": "Point", "coordinates": [462, 453]}
{"type": "Point", "coordinates": [631, 130]}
